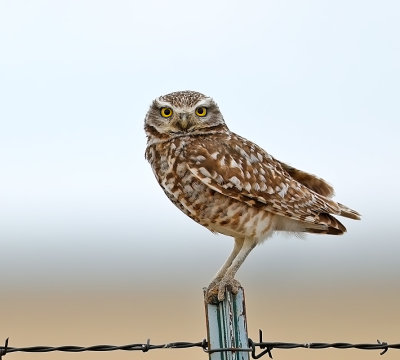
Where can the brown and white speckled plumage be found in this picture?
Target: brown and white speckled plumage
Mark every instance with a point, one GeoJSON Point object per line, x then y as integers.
{"type": "Point", "coordinates": [229, 184]}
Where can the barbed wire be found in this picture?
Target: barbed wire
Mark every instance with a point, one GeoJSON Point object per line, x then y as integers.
{"type": "Point", "coordinates": [266, 347]}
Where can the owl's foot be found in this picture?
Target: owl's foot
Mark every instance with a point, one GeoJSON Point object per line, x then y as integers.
{"type": "Point", "coordinates": [216, 290]}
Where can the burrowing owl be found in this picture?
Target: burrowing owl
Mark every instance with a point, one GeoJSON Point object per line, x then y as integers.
{"type": "Point", "coordinates": [229, 184]}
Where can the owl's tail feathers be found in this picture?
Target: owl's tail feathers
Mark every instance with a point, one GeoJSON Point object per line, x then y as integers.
{"type": "Point", "coordinates": [326, 224]}
{"type": "Point", "coordinates": [320, 223]}
{"type": "Point", "coordinates": [349, 213]}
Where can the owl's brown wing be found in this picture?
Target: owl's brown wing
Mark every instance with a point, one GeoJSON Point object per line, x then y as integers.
{"type": "Point", "coordinates": [320, 186]}
{"type": "Point", "coordinates": [242, 170]}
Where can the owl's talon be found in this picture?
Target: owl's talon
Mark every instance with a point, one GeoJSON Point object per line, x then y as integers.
{"type": "Point", "coordinates": [216, 290]}
{"type": "Point", "coordinates": [212, 296]}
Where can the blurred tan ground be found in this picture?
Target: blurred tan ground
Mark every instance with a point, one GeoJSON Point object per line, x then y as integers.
{"type": "Point", "coordinates": [361, 313]}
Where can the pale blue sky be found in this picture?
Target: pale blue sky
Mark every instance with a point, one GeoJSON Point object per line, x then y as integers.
{"type": "Point", "coordinates": [315, 83]}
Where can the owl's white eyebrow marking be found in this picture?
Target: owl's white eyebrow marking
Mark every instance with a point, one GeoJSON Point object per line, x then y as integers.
{"type": "Point", "coordinates": [204, 102]}
{"type": "Point", "coordinates": [161, 103]}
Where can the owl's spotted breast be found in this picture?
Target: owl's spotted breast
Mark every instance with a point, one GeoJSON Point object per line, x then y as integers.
{"type": "Point", "coordinates": [203, 204]}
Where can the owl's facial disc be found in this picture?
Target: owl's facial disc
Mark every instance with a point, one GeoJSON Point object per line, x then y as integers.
{"type": "Point", "coordinates": [182, 118]}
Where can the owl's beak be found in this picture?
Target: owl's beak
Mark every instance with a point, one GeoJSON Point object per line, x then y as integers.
{"type": "Point", "coordinates": [183, 121]}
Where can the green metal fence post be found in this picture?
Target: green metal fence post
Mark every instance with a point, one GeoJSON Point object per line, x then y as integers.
{"type": "Point", "coordinates": [227, 328]}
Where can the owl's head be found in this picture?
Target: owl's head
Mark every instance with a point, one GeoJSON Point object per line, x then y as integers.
{"type": "Point", "coordinates": [183, 113]}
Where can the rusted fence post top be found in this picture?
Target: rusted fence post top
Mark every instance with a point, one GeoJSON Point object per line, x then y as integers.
{"type": "Point", "coordinates": [227, 328]}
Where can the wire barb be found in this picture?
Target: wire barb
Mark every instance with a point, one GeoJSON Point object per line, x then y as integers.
{"type": "Point", "coordinates": [383, 343]}
{"type": "Point", "coordinates": [261, 346]}
{"type": "Point", "coordinates": [146, 347]}
{"type": "Point", "coordinates": [3, 351]}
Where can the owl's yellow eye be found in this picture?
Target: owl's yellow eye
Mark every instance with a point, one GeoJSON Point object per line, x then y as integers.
{"type": "Point", "coordinates": [166, 112]}
{"type": "Point", "coordinates": [201, 111]}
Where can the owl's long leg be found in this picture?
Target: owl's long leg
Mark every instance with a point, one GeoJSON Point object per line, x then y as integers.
{"type": "Point", "coordinates": [216, 290]}
{"type": "Point", "coordinates": [248, 245]}
{"type": "Point", "coordinates": [221, 272]}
